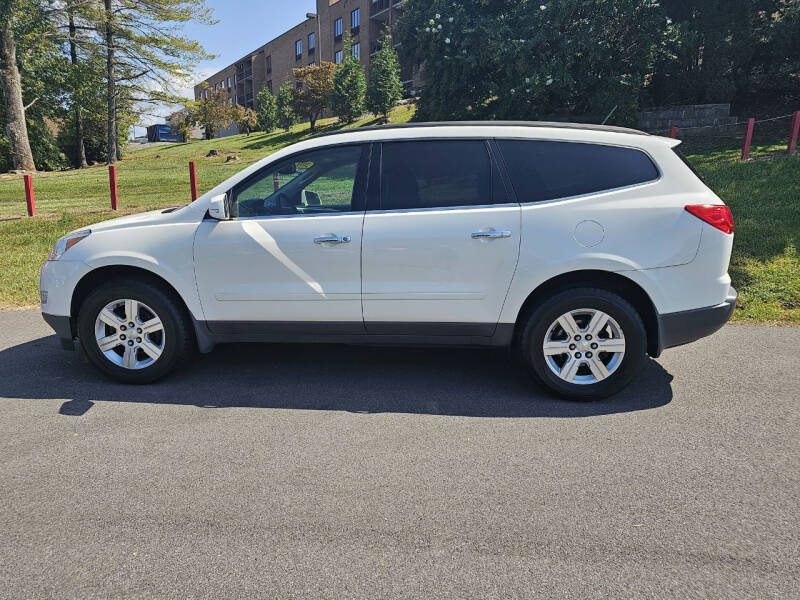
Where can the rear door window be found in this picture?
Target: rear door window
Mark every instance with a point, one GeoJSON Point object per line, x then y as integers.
{"type": "Point", "coordinates": [433, 174]}
{"type": "Point", "coordinates": [545, 170]}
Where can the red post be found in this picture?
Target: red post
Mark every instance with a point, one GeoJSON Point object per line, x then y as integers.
{"type": "Point", "coordinates": [31, 201]}
{"type": "Point", "coordinates": [795, 131]}
{"type": "Point", "coordinates": [193, 179]}
{"type": "Point", "coordinates": [276, 182]}
{"type": "Point", "coordinates": [748, 138]}
{"type": "Point", "coordinates": [112, 181]}
{"type": "Point", "coordinates": [673, 132]}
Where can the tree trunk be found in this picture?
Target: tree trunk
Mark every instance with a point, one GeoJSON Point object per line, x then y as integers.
{"type": "Point", "coordinates": [116, 138]}
{"type": "Point", "coordinates": [112, 93]}
{"type": "Point", "coordinates": [16, 128]}
{"type": "Point", "coordinates": [73, 54]}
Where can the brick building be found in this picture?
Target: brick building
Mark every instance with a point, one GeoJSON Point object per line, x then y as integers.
{"type": "Point", "coordinates": [319, 38]}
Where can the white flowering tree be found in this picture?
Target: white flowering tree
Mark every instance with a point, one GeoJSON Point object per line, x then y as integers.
{"type": "Point", "coordinates": [516, 59]}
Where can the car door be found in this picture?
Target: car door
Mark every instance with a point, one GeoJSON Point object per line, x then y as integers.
{"type": "Point", "coordinates": [441, 245]}
{"type": "Point", "coordinates": [289, 260]}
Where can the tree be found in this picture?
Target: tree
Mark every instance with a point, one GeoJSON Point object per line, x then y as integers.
{"type": "Point", "coordinates": [111, 80]}
{"type": "Point", "coordinates": [75, 88]}
{"type": "Point", "coordinates": [93, 103]}
{"type": "Point", "coordinates": [286, 113]}
{"type": "Point", "coordinates": [245, 118]}
{"type": "Point", "coordinates": [385, 88]}
{"type": "Point", "coordinates": [145, 52]}
{"type": "Point", "coordinates": [11, 82]}
{"type": "Point", "coordinates": [267, 109]}
{"type": "Point", "coordinates": [349, 87]}
{"type": "Point", "coordinates": [315, 84]}
{"type": "Point", "coordinates": [212, 112]}
{"type": "Point", "coordinates": [570, 59]}
{"type": "Point", "coordinates": [717, 50]}
{"type": "Point", "coordinates": [183, 121]}
{"type": "Point", "coordinates": [49, 54]}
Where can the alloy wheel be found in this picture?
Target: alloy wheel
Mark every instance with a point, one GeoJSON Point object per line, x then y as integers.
{"type": "Point", "coordinates": [584, 346]}
{"type": "Point", "coordinates": [129, 334]}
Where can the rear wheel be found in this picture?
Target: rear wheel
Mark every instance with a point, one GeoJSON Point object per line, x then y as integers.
{"type": "Point", "coordinates": [584, 343]}
{"type": "Point", "coordinates": [134, 331]}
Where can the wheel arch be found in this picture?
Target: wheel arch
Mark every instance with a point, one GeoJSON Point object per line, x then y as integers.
{"type": "Point", "coordinates": [103, 274]}
{"type": "Point", "coordinates": [607, 280]}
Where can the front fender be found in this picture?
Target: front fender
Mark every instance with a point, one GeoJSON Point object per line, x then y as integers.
{"type": "Point", "coordinates": [177, 273]}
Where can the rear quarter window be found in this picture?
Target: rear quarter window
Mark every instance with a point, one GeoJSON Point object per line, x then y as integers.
{"type": "Point", "coordinates": [544, 170]}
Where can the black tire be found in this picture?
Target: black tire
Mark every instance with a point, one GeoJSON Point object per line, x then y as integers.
{"type": "Point", "coordinates": [178, 343]}
{"type": "Point", "coordinates": [536, 325]}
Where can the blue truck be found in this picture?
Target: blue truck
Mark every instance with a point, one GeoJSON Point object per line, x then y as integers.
{"type": "Point", "coordinates": [163, 133]}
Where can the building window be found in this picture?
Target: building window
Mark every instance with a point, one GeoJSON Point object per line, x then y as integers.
{"type": "Point", "coordinates": [337, 57]}
{"type": "Point", "coordinates": [269, 64]}
{"type": "Point", "coordinates": [229, 82]}
{"type": "Point", "coordinates": [269, 86]}
{"type": "Point", "coordinates": [357, 51]}
{"type": "Point", "coordinates": [337, 30]}
{"type": "Point", "coordinates": [312, 42]}
{"type": "Point", "coordinates": [298, 49]}
{"type": "Point", "coordinates": [355, 20]}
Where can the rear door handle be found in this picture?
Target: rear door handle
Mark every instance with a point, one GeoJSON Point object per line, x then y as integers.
{"type": "Point", "coordinates": [332, 239]}
{"type": "Point", "coordinates": [490, 235]}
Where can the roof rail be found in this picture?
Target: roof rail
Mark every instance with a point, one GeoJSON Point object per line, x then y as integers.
{"type": "Point", "coordinates": [554, 125]}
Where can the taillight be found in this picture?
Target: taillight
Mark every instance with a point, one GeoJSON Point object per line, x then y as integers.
{"type": "Point", "coordinates": [716, 215]}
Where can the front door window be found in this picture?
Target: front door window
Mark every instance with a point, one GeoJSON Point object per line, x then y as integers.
{"type": "Point", "coordinates": [316, 182]}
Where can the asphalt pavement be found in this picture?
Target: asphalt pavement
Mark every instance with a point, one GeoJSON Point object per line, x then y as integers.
{"type": "Point", "coordinates": [347, 472]}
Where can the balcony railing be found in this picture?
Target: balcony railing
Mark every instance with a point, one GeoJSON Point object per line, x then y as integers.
{"type": "Point", "coordinates": [379, 6]}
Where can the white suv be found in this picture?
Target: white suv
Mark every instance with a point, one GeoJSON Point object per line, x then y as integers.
{"type": "Point", "coordinates": [583, 248]}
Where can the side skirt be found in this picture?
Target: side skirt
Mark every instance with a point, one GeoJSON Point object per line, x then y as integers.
{"type": "Point", "coordinates": [436, 334]}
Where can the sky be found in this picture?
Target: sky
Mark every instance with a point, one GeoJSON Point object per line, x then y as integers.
{"type": "Point", "coordinates": [243, 26]}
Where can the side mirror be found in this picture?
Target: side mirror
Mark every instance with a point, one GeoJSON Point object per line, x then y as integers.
{"type": "Point", "coordinates": [218, 208]}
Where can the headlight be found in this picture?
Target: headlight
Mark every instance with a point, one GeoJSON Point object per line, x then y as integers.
{"type": "Point", "coordinates": [67, 242]}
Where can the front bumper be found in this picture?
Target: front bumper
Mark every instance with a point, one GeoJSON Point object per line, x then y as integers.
{"type": "Point", "coordinates": [678, 328]}
{"type": "Point", "coordinates": [62, 325]}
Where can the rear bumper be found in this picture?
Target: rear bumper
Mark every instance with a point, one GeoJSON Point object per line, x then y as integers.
{"type": "Point", "coordinates": [678, 328]}
{"type": "Point", "coordinates": [62, 325]}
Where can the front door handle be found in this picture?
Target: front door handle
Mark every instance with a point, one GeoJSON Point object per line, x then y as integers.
{"type": "Point", "coordinates": [490, 235]}
{"type": "Point", "coordinates": [332, 239]}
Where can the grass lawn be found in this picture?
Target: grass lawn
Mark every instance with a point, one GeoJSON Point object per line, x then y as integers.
{"type": "Point", "coordinates": [764, 195]}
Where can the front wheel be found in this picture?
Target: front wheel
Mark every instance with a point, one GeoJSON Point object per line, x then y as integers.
{"type": "Point", "coordinates": [584, 343]}
{"type": "Point", "coordinates": [134, 331]}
